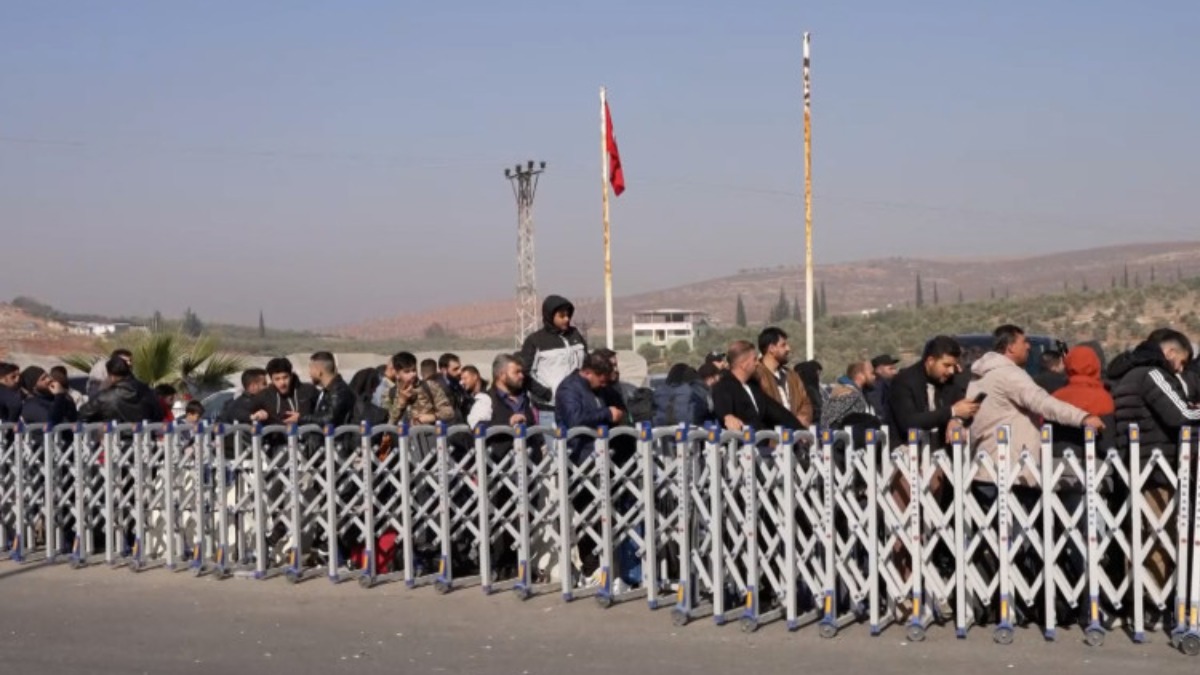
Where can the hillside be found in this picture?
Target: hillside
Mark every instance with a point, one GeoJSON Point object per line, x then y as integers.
{"type": "Point", "coordinates": [850, 288]}
{"type": "Point", "coordinates": [1116, 318]}
{"type": "Point", "coordinates": [24, 333]}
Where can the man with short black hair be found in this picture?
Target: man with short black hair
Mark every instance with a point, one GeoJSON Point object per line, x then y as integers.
{"type": "Point", "coordinates": [1150, 391]}
{"type": "Point", "coordinates": [429, 371]}
{"type": "Point", "coordinates": [777, 381]}
{"type": "Point", "coordinates": [286, 394]}
{"type": "Point", "coordinates": [580, 402]}
{"type": "Point", "coordinates": [1011, 398]}
{"type": "Point", "coordinates": [248, 407]}
{"type": "Point", "coordinates": [450, 378]}
{"type": "Point", "coordinates": [10, 393]}
{"type": "Point", "coordinates": [59, 374]}
{"type": "Point", "coordinates": [98, 376]}
{"type": "Point", "coordinates": [335, 402]}
{"type": "Point", "coordinates": [924, 397]}
{"type": "Point", "coordinates": [847, 404]}
{"type": "Point", "coordinates": [738, 399]}
{"type": "Point", "coordinates": [884, 367]}
{"type": "Point", "coordinates": [413, 400]}
{"type": "Point", "coordinates": [474, 388]}
{"type": "Point", "coordinates": [123, 399]}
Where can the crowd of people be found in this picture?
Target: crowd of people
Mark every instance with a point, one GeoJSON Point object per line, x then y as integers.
{"type": "Point", "coordinates": [556, 380]}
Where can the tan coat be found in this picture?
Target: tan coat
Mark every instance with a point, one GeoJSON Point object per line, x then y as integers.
{"type": "Point", "coordinates": [1014, 399]}
{"type": "Point", "coordinates": [800, 406]}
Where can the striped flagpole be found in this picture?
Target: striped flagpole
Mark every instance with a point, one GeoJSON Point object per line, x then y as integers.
{"type": "Point", "coordinates": [808, 243]}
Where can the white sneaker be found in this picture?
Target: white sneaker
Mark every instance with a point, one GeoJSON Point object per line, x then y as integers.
{"type": "Point", "coordinates": [591, 581]}
{"type": "Point", "coordinates": [619, 587]}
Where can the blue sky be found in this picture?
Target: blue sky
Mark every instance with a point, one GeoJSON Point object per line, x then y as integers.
{"type": "Point", "coordinates": [330, 162]}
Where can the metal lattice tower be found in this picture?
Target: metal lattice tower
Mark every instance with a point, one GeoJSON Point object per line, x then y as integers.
{"type": "Point", "coordinates": [524, 181]}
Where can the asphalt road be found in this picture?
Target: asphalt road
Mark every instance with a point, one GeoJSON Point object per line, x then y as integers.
{"type": "Point", "coordinates": [55, 621]}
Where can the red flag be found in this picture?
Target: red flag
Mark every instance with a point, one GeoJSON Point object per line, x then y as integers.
{"type": "Point", "coordinates": [615, 175]}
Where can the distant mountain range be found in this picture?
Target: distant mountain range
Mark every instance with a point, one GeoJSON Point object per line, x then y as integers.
{"type": "Point", "coordinates": [850, 288]}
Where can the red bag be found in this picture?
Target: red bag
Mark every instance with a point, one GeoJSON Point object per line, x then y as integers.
{"type": "Point", "coordinates": [385, 553]}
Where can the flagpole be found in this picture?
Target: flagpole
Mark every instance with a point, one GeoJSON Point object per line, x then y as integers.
{"type": "Point", "coordinates": [608, 295]}
{"type": "Point", "coordinates": [808, 244]}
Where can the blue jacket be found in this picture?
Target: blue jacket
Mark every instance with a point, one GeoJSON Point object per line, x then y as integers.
{"type": "Point", "coordinates": [576, 405]}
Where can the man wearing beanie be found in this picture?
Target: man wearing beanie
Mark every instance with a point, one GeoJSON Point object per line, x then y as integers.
{"type": "Point", "coordinates": [45, 400]}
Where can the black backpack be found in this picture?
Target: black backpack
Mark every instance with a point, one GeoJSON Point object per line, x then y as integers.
{"type": "Point", "coordinates": [641, 405]}
{"type": "Point", "coordinates": [366, 411]}
{"type": "Point", "coordinates": [676, 403]}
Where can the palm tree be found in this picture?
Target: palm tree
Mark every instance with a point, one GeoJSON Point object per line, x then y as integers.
{"type": "Point", "coordinates": [81, 362]}
{"type": "Point", "coordinates": [198, 368]}
{"type": "Point", "coordinates": [194, 367]}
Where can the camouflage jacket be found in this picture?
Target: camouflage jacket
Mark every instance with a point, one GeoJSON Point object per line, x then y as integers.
{"type": "Point", "coordinates": [427, 399]}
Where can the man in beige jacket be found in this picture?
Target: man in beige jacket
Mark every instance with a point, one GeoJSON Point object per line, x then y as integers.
{"type": "Point", "coordinates": [1012, 398]}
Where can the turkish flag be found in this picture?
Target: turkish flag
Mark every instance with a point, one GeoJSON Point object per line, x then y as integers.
{"type": "Point", "coordinates": [615, 175]}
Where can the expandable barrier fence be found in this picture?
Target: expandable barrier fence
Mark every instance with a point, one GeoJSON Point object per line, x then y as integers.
{"type": "Point", "coordinates": [801, 528]}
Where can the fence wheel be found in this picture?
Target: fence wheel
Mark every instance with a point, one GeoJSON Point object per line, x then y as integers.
{"type": "Point", "coordinates": [679, 617]}
{"type": "Point", "coordinates": [1190, 644]}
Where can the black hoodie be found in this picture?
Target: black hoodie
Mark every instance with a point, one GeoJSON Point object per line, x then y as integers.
{"type": "Point", "coordinates": [550, 355]}
{"type": "Point", "coordinates": [1147, 393]}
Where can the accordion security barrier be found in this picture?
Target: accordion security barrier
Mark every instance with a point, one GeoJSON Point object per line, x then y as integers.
{"type": "Point", "coordinates": [754, 527]}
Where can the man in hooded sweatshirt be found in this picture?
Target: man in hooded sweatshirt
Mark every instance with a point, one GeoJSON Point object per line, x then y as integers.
{"type": "Point", "coordinates": [1012, 398]}
{"type": "Point", "coordinates": [551, 354]}
{"type": "Point", "coordinates": [1085, 390]}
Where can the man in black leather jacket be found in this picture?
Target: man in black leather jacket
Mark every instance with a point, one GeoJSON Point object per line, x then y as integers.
{"type": "Point", "coordinates": [124, 400]}
{"type": "Point", "coordinates": [335, 402]}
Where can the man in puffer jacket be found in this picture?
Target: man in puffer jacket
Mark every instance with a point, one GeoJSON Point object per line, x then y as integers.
{"type": "Point", "coordinates": [1014, 399]}
{"type": "Point", "coordinates": [1150, 393]}
{"type": "Point", "coordinates": [551, 354]}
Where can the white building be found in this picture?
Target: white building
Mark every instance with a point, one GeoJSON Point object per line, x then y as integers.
{"type": "Point", "coordinates": [665, 327]}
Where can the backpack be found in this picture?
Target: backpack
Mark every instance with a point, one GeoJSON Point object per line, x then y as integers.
{"type": "Point", "coordinates": [366, 411]}
{"type": "Point", "coordinates": [640, 404]}
{"type": "Point", "coordinates": [387, 554]}
{"type": "Point", "coordinates": [676, 403]}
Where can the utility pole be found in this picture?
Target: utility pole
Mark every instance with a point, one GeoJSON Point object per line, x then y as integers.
{"type": "Point", "coordinates": [524, 180]}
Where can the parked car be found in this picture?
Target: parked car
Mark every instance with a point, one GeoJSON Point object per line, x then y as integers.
{"type": "Point", "coordinates": [976, 345]}
{"type": "Point", "coordinates": [214, 404]}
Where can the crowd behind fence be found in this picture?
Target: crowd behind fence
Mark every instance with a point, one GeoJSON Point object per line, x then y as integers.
{"type": "Point", "coordinates": [798, 527]}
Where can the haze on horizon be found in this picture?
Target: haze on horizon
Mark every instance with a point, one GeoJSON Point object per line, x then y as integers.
{"type": "Point", "coordinates": [331, 163]}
